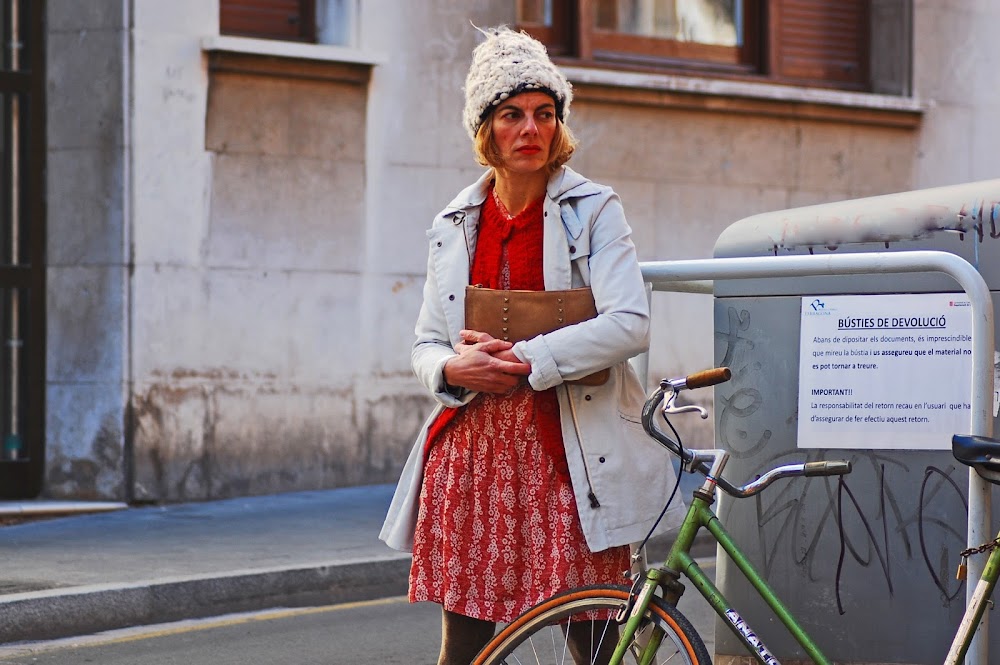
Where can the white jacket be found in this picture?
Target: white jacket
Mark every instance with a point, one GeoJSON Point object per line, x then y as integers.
{"type": "Point", "coordinates": [620, 476]}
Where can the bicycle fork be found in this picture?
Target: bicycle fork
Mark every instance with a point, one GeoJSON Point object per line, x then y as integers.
{"type": "Point", "coordinates": [633, 614]}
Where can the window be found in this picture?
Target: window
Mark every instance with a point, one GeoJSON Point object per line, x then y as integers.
{"type": "Point", "coordinates": [800, 42]}
{"type": "Point", "coordinates": [319, 21]}
{"type": "Point", "coordinates": [269, 19]}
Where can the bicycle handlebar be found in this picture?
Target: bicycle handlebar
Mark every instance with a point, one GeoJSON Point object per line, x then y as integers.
{"type": "Point", "coordinates": [702, 460]}
{"type": "Point", "coordinates": [708, 377]}
{"type": "Point", "coordinates": [702, 379]}
{"type": "Point", "coordinates": [827, 468]}
{"type": "Point", "coordinates": [830, 468]}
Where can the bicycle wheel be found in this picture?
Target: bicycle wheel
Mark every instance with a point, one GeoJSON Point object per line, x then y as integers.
{"type": "Point", "coordinates": [578, 627]}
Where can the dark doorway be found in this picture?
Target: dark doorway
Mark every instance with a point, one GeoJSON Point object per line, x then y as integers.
{"type": "Point", "coordinates": [22, 248]}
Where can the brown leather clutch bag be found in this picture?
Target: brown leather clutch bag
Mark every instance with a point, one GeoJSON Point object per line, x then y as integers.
{"type": "Point", "coordinates": [516, 315]}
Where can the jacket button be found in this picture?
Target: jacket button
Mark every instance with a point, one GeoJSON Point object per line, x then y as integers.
{"type": "Point", "coordinates": [586, 397]}
{"type": "Point", "coordinates": [439, 244]}
{"type": "Point", "coordinates": [452, 297]}
{"type": "Point", "coordinates": [601, 460]}
{"type": "Point", "coordinates": [572, 249]}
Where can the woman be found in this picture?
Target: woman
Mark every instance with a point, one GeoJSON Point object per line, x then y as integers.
{"type": "Point", "coordinates": [518, 485]}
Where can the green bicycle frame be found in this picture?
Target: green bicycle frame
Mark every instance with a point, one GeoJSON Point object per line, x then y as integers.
{"type": "Point", "coordinates": [679, 559]}
{"type": "Point", "coordinates": [974, 611]}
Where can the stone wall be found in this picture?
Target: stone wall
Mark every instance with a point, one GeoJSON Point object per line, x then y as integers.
{"type": "Point", "coordinates": [88, 266]}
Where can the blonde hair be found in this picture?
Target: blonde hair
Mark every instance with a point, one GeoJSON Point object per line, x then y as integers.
{"type": "Point", "coordinates": [562, 147]}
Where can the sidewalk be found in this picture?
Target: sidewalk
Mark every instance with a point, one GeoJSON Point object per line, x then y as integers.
{"type": "Point", "coordinates": [88, 573]}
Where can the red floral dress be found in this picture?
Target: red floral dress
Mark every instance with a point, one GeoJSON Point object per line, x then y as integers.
{"type": "Point", "coordinates": [497, 528]}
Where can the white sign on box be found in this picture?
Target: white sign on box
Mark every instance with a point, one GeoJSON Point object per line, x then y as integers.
{"type": "Point", "coordinates": [889, 372]}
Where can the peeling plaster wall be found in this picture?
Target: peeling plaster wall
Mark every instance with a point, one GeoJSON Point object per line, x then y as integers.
{"type": "Point", "coordinates": [199, 437]}
{"type": "Point", "coordinates": [170, 290]}
{"type": "Point", "coordinates": [239, 259]}
{"type": "Point", "coordinates": [253, 373]}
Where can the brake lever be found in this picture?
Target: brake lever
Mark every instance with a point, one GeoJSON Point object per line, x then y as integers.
{"type": "Point", "coordinates": [669, 409]}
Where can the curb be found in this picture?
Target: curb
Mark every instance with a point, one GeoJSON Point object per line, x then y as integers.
{"type": "Point", "coordinates": [74, 611]}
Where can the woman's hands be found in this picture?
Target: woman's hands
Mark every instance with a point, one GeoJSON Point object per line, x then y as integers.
{"type": "Point", "coordinates": [484, 364]}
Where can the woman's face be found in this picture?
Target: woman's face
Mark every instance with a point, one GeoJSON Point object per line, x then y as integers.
{"type": "Point", "coordinates": [523, 127]}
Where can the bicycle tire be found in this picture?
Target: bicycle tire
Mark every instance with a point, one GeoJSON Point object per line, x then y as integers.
{"type": "Point", "coordinates": [540, 635]}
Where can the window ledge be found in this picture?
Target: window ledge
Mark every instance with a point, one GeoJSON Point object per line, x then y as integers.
{"type": "Point", "coordinates": [273, 57]}
{"type": "Point", "coordinates": [664, 90]}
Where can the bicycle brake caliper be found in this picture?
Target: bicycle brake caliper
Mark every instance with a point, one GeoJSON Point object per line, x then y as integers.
{"type": "Point", "coordinates": [635, 602]}
{"type": "Point", "coordinates": [626, 609]}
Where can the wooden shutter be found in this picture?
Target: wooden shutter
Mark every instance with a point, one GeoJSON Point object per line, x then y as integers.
{"type": "Point", "coordinates": [270, 19]}
{"type": "Point", "coordinates": [818, 43]}
{"type": "Point", "coordinates": [557, 35]}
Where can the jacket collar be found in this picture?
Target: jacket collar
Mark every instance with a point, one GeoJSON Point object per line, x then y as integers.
{"type": "Point", "coordinates": [472, 196]}
{"type": "Point", "coordinates": [568, 184]}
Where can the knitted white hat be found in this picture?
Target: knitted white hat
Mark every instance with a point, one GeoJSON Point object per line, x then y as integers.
{"type": "Point", "coordinates": [506, 64]}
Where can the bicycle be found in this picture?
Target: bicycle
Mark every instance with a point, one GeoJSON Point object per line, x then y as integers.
{"type": "Point", "coordinates": [607, 624]}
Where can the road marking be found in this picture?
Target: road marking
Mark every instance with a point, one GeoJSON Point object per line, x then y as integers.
{"type": "Point", "coordinates": [137, 633]}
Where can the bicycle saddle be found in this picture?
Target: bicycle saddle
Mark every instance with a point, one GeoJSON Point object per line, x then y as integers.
{"type": "Point", "coordinates": [980, 452]}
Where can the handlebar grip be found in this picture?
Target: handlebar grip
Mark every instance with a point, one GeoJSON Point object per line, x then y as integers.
{"type": "Point", "coordinates": [829, 468]}
{"type": "Point", "coordinates": [708, 377]}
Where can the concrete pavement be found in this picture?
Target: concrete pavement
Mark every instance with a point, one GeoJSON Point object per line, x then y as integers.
{"type": "Point", "coordinates": [77, 575]}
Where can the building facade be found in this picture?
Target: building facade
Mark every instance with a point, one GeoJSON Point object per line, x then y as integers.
{"type": "Point", "coordinates": [221, 221]}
